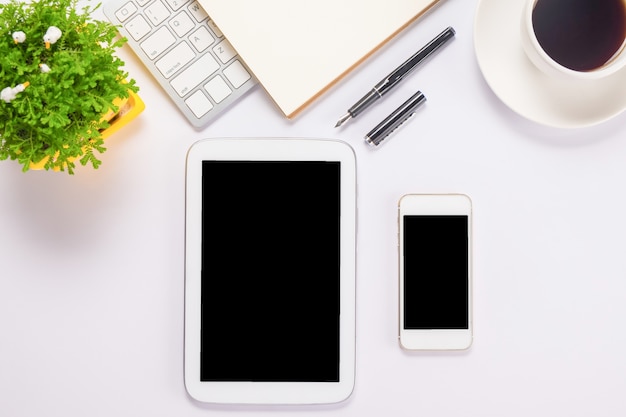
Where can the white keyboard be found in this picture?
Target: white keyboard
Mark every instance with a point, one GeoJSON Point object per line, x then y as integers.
{"type": "Point", "coordinates": [185, 52]}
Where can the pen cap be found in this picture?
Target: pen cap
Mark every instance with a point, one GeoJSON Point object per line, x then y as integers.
{"type": "Point", "coordinates": [395, 119]}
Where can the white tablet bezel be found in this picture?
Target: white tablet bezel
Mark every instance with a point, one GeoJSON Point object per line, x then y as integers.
{"type": "Point", "coordinates": [265, 149]}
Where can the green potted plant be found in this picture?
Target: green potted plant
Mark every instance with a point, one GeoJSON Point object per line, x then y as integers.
{"type": "Point", "coordinates": [62, 88]}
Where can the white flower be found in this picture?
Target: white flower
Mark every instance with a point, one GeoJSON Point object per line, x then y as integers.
{"type": "Point", "coordinates": [52, 36]}
{"type": "Point", "coordinates": [9, 93]}
{"type": "Point", "coordinates": [19, 36]}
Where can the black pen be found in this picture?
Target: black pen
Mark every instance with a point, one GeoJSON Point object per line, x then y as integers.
{"type": "Point", "coordinates": [395, 119]}
{"type": "Point", "coordinates": [397, 75]}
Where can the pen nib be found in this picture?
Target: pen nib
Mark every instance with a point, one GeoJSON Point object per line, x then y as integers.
{"type": "Point", "coordinates": [343, 119]}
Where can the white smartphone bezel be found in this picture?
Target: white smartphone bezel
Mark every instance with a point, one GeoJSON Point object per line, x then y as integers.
{"type": "Point", "coordinates": [270, 149]}
{"type": "Point", "coordinates": [434, 204]}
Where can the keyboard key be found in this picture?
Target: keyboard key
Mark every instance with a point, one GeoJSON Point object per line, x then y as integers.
{"type": "Point", "coordinates": [175, 60]}
{"type": "Point", "coordinates": [194, 75]}
{"type": "Point", "coordinates": [215, 29]}
{"type": "Point", "coordinates": [138, 27]}
{"type": "Point", "coordinates": [197, 11]}
{"type": "Point", "coordinates": [176, 4]}
{"type": "Point", "coordinates": [237, 74]}
{"type": "Point", "coordinates": [224, 51]}
{"type": "Point", "coordinates": [199, 104]}
{"type": "Point", "coordinates": [157, 13]}
{"type": "Point", "coordinates": [201, 39]}
{"type": "Point", "coordinates": [182, 24]}
{"type": "Point", "coordinates": [126, 11]}
{"type": "Point", "coordinates": [158, 42]}
{"type": "Point", "coordinates": [218, 89]}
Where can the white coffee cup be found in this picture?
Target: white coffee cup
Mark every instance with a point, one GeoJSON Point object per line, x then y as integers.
{"type": "Point", "coordinates": [542, 60]}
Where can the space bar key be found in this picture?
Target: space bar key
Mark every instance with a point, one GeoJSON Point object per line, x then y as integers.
{"type": "Point", "coordinates": [194, 74]}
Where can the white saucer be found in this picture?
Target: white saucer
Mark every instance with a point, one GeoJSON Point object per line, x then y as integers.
{"type": "Point", "coordinates": [526, 90]}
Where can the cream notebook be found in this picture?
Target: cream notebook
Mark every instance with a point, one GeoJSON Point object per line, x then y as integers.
{"type": "Point", "coordinates": [299, 49]}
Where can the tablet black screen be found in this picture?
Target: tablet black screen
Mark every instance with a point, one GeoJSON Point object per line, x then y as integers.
{"type": "Point", "coordinates": [270, 271]}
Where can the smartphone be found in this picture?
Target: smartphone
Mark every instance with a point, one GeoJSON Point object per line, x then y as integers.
{"type": "Point", "coordinates": [435, 265]}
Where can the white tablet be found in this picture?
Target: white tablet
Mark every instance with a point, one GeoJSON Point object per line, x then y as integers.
{"type": "Point", "coordinates": [270, 271]}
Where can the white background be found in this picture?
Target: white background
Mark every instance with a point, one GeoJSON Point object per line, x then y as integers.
{"type": "Point", "coordinates": [91, 265]}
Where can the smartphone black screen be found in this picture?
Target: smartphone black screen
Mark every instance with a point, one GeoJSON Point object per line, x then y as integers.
{"type": "Point", "coordinates": [270, 271]}
{"type": "Point", "coordinates": [436, 272]}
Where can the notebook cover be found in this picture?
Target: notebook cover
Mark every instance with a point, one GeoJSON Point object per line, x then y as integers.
{"type": "Point", "coordinates": [299, 49]}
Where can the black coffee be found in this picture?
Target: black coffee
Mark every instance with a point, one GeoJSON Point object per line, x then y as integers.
{"type": "Point", "coordinates": [582, 35]}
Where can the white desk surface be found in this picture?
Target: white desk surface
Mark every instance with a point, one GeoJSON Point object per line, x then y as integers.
{"type": "Point", "coordinates": [91, 281]}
